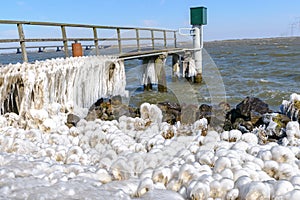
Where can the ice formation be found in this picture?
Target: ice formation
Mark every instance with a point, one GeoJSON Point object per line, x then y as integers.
{"type": "Point", "coordinates": [189, 67]}
{"type": "Point", "coordinates": [75, 81]}
{"type": "Point", "coordinates": [149, 73]}
{"type": "Point", "coordinates": [135, 158]}
{"type": "Point", "coordinates": [131, 158]}
{"type": "Point", "coordinates": [291, 107]}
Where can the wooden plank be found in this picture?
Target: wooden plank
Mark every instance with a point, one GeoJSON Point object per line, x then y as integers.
{"type": "Point", "coordinates": [137, 39]}
{"type": "Point", "coordinates": [9, 40]}
{"type": "Point", "coordinates": [73, 39]}
{"type": "Point", "coordinates": [77, 25]}
{"type": "Point", "coordinates": [65, 41]}
{"type": "Point", "coordinates": [149, 52]}
{"type": "Point", "coordinates": [165, 39]}
{"type": "Point", "coordinates": [119, 40]}
{"type": "Point", "coordinates": [175, 40]}
{"type": "Point", "coordinates": [36, 47]}
{"type": "Point", "coordinates": [22, 42]}
{"type": "Point", "coordinates": [44, 40]}
{"type": "Point", "coordinates": [152, 39]}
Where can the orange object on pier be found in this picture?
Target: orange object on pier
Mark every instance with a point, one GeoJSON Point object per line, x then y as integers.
{"type": "Point", "coordinates": [76, 49]}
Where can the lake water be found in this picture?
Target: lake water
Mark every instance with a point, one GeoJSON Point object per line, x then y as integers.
{"type": "Point", "coordinates": [264, 68]}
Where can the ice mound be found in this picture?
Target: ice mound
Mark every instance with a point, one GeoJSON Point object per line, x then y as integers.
{"type": "Point", "coordinates": [75, 81]}
{"type": "Point", "coordinates": [140, 158]}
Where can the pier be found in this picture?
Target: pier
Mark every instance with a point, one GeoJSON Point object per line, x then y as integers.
{"type": "Point", "coordinates": [151, 45]}
{"type": "Point", "coordinates": [167, 38]}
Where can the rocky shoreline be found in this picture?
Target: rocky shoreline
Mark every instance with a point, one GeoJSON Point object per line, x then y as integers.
{"type": "Point", "coordinates": [250, 115]}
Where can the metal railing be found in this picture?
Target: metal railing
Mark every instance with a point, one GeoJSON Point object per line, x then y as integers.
{"type": "Point", "coordinates": [22, 40]}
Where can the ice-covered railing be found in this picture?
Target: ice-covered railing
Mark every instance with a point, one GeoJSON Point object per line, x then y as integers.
{"type": "Point", "coordinates": [75, 81]}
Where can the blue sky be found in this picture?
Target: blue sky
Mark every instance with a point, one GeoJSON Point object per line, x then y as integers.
{"type": "Point", "coordinates": [230, 19]}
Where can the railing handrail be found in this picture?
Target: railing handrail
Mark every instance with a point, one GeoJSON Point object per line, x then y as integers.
{"type": "Point", "coordinates": [64, 39]}
{"type": "Point", "coordinates": [79, 25]}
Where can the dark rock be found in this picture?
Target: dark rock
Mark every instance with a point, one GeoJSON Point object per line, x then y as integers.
{"type": "Point", "coordinates": [242, 125]}
{"type": "Point", "coordinates": [134, 112]}
{"type": "Point", "coordinates": [189, 114]}
{"type": "Point", "coordinates": [101, 109]}
{"type": "Point", "coordinates": [227, 125]}
{"type": "Point", "coordinates": [72, 119]}
{"type": "Point", "coordinates": [232, 115]}
{"type": "Point", "coordinates": [99, 102]}
{"type": "Point", "coordinates": [116, 100]}
{"type": "Point", "coordinates": [247, 115]}
{"type": "Point", "coordinates": [252, 105]}
{"type": "Point", "coordinates": [171, 111]}
{"type": "Point", "coordinates": [205, 112]}
{"type": "Point", "coordinates": [120, 110]}
{"type": "Point", "coordinates": [216, 115]}
{"type": "Point", "coordinates": [111, 109]}
{"type": "Point", "coordinates": [92, 115]}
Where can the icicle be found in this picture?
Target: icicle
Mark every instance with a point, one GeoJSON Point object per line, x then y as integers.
{"type": "Point", "coordinates": [81, 80]}
{"type": "Point", "coordinates": [149, 73]}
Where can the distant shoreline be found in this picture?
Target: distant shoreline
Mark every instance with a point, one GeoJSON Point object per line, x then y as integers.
{"type": "Point", "coordinates": [252, 39]}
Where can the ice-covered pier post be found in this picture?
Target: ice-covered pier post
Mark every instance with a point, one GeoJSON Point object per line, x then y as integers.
{"type": "Point", "coordinates": [198, 18]}
{"type": "Point", "coordinates": [154, 73]}
{"type": "Point", "coordinates": [161, 73]}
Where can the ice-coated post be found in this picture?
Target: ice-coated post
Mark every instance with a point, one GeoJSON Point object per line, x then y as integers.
{"type": "Point", "coordinates": [197, 56]}
{"type": "Point", "coordinates": [198, 18]}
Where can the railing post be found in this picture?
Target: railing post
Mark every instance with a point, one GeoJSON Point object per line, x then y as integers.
{"type": "Point", "coordinates": [119, 40]}
{"type": "Point", "coordinates": [22, 42]}
{"type": "Point", "coordinates": [138, 39]}
{"type": "Point", "coordinates": [165, 39]}
{"type": "Point", "coordinates": [152, 38]}
{"type": "Point", "coordinates": [175, 40]}
{"type": "Point", "coordinates": [65, 41]}
{"type": "Point", "coordinates": [96, 41]}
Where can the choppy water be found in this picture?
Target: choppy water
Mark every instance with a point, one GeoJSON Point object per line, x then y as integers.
{"type": "Point", "coordinates": [265, 68]}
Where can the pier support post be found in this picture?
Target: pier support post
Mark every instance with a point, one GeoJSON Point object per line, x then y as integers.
{"type": "Point", "coordinates": [41, 49]}
{"type": "Point", "coordinates": [147, 81]}
{"type": "Point", "coordinates": [22, 42]}
{"type": "Point", "coordinates": [197, 43]}
{"type": "Point", "coordinates": [161, 73]}
{"type": "Point", "coordinates": [65, 40]}
{"type": "Point", "coordinates": [175, 65]}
